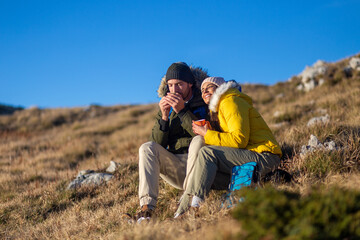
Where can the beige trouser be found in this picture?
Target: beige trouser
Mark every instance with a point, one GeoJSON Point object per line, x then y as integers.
{"type": "Point", "coordinates": [196, 144]}
{"type": "Point", "coordinates": [155, 161]}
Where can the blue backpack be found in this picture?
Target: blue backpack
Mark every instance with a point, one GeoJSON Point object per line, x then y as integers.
{"type": "Point", "coordinates": [241, 176]}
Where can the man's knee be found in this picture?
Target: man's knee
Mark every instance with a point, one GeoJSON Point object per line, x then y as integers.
{"type": "Point", "coordinates": [147, 149]}
{"type": "Point", "coordinates": [146, 146]}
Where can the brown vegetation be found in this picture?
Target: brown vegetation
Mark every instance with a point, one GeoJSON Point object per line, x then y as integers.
{"type": "Point", "coordinates": [42, 150]}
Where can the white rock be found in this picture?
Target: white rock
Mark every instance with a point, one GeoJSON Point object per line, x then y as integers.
{"type": "Point", "coordinates": [310, 72]}
{"type": "Point", "coordinates": [113, 167]}
{"type": "Point", "coordinates": [318, 120]}
{"type": "Point", "coordinates": [355, 63]}
{"type": "Point", "coordinates": [321, 81]}
{"type": "Point", "coordinates": [313, 141]}
{"type": "Point", "coordinates": [300, 87]}
{"type": "Point", "coordinates": [91, 178]}
{"type": "Point", "coordinates": [319, 64]}
{"type": "Point", "coordinates": [314, 144]}
{"type": "Point", "coordinates": [96, 178]}
{"type": "Point", "coordinates": [330, 145]}
{"type": "Point", "coordinates": [309, 85]}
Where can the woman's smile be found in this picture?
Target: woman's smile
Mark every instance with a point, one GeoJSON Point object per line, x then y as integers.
{"type": "Point", "coordinates": [207, 91]}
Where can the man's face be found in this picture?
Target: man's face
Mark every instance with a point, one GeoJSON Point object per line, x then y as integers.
{"type": "Point", "coordinates": [180, 87]}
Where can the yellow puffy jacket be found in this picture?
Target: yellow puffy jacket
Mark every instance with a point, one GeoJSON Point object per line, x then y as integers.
{"type": "Point", "coordinates": [241, 124]}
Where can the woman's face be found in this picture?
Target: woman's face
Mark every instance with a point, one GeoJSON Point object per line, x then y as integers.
{"type": "Point", "coordinates": [207, 91]}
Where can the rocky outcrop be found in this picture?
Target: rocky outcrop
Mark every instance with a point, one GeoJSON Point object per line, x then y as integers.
{"type": "Point", "coordinates": [113, 167]}
{"type": "Point", "coordinates": [314, 145]}
{"type": "Point", "coordinates": [309, 74]}
{"type": "Point", "coordinates": [354, 63]}
{"type": "Point", "coordinates": [318, 120]}
{"type": "Point", "coordinates": [92, 178]}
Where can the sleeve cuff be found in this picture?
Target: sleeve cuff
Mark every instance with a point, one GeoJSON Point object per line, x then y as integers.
{"type": "Point", "coordinates": [164, 125]}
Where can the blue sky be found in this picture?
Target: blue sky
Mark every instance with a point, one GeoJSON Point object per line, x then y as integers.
{"type": "Point", "coordinates": [75, 53]}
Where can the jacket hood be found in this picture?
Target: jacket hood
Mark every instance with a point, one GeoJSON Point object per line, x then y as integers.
{"type": "Point", "coordinates": [231, 88]}
{"type": "Point", "coordinates": [199, 73]}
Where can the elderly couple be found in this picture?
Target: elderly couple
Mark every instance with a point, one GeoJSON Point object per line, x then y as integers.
{"type": "Point", "coordinates": [199, 158]}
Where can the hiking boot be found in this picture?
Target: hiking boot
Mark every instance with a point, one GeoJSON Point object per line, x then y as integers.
{"type": "Point", "coordinates": [146, 212]}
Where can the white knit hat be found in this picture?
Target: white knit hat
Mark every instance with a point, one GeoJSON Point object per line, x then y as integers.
{"type": "Point", "coordinates": [215, 80]}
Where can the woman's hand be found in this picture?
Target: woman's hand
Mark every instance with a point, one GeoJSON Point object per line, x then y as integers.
{"type": "Point", "coordinates": [199, 130]}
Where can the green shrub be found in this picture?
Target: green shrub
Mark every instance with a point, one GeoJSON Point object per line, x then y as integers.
{"type": "Point", "coordinates": [321, 163]}
{"type": "Point", "coordinates": [268, 213]}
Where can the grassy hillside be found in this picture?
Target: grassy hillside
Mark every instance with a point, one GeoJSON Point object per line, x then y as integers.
{"type": "Point", "coordinates": [42, 150]}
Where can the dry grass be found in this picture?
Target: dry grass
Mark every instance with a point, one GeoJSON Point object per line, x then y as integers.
{"type": "Point", "coordinates": [42, 150]}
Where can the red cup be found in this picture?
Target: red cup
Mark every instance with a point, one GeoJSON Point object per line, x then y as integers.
{"type": "Point", "coordinates": [202, 122]}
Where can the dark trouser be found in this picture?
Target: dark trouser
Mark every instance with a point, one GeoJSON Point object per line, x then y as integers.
{"type": "Point", "coordinates": [214, 164]}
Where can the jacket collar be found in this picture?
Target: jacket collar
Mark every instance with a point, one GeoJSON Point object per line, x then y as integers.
{"type": "Point", "coordinates": [221, 90]}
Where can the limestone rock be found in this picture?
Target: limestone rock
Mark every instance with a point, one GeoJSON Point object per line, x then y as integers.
{"type": "Point", "coordinates": [330, 145]}
{"type": "Point", "coordinates": [300, 87]}
{"type": "Point", "coordinates": [89, 177]}
{"type": "Point", "coordinates": [355, 63]}
{"type": "Point", "coordinates": [314, 144]}
{"type": "Point", "coordinates": [309, 74]}
{"type": "Point", "coordinates": [319, 120]}
{"type": "Point", "coordinates": [309, 84]}
{"type": "Point", "coordinates": [113, 167]}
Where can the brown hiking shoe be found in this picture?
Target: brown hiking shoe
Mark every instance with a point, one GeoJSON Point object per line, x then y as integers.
{"type": "Point", "coordinates": [145, 214]}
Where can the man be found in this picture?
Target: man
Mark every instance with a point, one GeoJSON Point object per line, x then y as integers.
{"type": "Point", "coordinates": [166, 154]}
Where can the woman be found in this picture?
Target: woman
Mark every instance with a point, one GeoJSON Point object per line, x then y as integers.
{"type": "Point", "coordinates": [239, 135]}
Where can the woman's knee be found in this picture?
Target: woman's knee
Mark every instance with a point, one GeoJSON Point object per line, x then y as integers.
{"type": "Point", "coordinates": [270, 163]}
{"type": "Point", "coordinates": [206, 154]}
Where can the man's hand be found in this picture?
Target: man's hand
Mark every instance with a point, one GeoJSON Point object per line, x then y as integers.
{"type": "Point", "coordinates": [199, 130]}
{"type": "Point", "coordinates": [175, 101]}
{"type": "Point", "coordinates": [164, 108]}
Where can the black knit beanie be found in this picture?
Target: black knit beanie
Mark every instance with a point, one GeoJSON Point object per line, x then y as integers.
{"type": "Point", "coordinates": [181, 71]}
